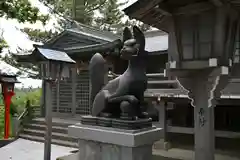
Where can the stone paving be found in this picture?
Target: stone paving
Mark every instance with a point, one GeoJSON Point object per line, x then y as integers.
{"type": "Point", "coordinates": [75, 157]}
{"type": "Point", "coordinates": [185, 154]}
{"type": "Point", "coordinates": [172, 154]}
{"type": "Point", "coordinates": [29, 150]}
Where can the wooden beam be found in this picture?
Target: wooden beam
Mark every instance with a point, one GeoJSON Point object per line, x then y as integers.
{"type": "Point", "coordinates": [217, 3]}
{"type": "Point", "coordinates": [193, 8]}
{"type": "Point", "coordinates": [143, 11]}
{"type": "Point", "coordinates": [163, 9]}
{"type": "Point", "coordinates": [161, 23]}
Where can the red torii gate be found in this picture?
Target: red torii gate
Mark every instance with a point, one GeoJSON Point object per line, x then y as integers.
{"type": "Point", "coordinates": [7, 82]}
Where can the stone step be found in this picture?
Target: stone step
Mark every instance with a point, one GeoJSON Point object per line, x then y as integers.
{"type": "Point", "coordinates": [57, 129]}
{"type": "Point", "coordinates": [55, 135]}
{"type": "Point", "coordinates": [57, 124]}
{"type": "Point", "coordinates": [157, 78]}
{"type": "Point", "coordinates": [54, 141]}
{"type": "Point", "coordinates": [169, 82]}
{"type": "Point", "coordinates": [163, 84]}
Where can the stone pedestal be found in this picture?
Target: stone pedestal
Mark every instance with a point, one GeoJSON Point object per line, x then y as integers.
{"type": "Point", "coordinates": [104, 143]}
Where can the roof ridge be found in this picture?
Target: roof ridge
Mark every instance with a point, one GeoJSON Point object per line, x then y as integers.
{"type": "Point", "coordinates": [78, 24]}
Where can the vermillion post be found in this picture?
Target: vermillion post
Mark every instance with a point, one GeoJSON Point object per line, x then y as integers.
{"type": "Point", "coordinates": [7, 95]}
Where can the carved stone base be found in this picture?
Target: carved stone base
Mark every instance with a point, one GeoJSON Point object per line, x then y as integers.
{"type": "Point", "coordinates": [132, 124]}
{"type": "Point", "coordinates": [90, 120]}
{"type": "Point", "coordinates": [117, 123]}
{"type": "Point", "coordinates": [105, 122]}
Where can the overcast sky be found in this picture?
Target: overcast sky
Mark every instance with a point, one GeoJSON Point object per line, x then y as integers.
{"type": "Point", "coordinates": [15, 38]}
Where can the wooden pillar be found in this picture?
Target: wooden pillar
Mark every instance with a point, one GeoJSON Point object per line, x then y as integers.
{"type": "Point", "coordinates": [74, 86]}
{"type": "Point", "coordinates": [48, 121]}
{"type": "Point", "coordinates": [58, 95]}
{"type": "Point", "coordinates": [163, 118]}
{"type": "Point", "coordinates": [162, 123]}
{"type": "Point", "coordinates": [43, 97]}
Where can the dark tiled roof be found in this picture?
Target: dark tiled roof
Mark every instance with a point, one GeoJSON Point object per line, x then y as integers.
{"type": "Point", "coordinates": [4, 77]}
{"type": "Point", "coordinates": [42, 54]}
{"type": "Point", "coordinates": [93, 32]}
{"type": "Point", "coordinates": [155, 40]}
{"type": "Point", "coordinates": [54, 55]}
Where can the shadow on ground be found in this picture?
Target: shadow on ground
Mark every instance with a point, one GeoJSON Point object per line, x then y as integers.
{"type": "Point", "coordinates": [75, 157]}
{"type": "Point", "coordinates": [157, 157]}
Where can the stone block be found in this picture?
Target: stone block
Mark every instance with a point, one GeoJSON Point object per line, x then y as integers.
{"type": "Point", "coordinates": [105, 143]}
{"type": "Point", "coordinates": [162, 145]}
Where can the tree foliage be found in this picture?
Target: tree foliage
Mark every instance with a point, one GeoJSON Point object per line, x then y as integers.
{"type": "Point", "coordinates": [79, 10]}
{"type": "Point", "coordinates": [22, 10]}
{"type": "Point", "coordinates": [3, 44]}
{"type": "Point", "coordinates": [21, 97]}
{"type": "Point", "coordinates": [110, 18]}
{"type": "Point", "coordinates": [38, 35]}
{"type": "Point", "coordinates": [19, 103]}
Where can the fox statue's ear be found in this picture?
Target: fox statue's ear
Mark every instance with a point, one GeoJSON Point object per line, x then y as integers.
{"type": "Point", "coordinates": [127, 34]}
{"type": "Point", "coordinates": [139, 36]}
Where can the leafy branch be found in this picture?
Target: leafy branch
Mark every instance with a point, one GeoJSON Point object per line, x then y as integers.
{"type": "Point", "coordinates": [22, 10]}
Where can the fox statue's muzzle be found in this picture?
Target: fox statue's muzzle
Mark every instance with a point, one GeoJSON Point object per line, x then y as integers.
{"type": "Point", "coordinates": [129, 50]}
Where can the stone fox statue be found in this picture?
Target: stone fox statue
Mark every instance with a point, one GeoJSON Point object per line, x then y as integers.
{"type": "Point", "coordinates": [125, 93]}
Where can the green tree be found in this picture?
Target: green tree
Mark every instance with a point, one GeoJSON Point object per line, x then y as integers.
{"type": "Point", "coordinates": [3, 44]}
{"type": "Point", "coordinates": [83, 10]}
{"type": "Point", "coordinates": [38, 35]}
{"type": "Point", "coordinates": [22, 10]}
{"type": "Point", "coordinates": [111, 16]}
{"type": "Point", "coordinates": [79, 10]}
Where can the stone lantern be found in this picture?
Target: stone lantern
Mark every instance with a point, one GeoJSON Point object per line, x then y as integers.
{"type": "Point", "coordinates": [53, 65]}
{"type": "Point", "coordinates": [202, 39]}
{"type": "Point", "coordinates": [7, 82]}
{"type": "Point", "coordinates": [202, 43]}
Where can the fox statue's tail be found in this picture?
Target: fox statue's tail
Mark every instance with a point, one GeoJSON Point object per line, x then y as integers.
{"type": "Point", "coordinates": [97, 71]}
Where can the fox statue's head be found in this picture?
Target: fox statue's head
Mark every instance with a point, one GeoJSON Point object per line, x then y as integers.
{"type": "Point", "coordinates": [134, 44]}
